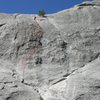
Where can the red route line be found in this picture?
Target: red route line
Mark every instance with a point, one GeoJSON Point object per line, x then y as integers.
{"type": "Point", "coordinates": [33, 51]}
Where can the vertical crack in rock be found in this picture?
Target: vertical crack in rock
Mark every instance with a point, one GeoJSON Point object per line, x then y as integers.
{"type": "Point", "coordinates": [35, 50]}
{"type": "Point", "coordinates": [15, 36]}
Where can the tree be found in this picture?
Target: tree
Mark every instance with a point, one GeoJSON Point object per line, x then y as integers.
{"type": "Point", "coordinates": [41, 13]}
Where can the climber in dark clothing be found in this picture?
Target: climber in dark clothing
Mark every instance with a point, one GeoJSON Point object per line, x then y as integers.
{"type": "Point", "coordinates": [35, 18]}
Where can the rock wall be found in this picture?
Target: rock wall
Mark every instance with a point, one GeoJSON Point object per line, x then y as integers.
{"type": "Point", "coordinates": [51, 58]}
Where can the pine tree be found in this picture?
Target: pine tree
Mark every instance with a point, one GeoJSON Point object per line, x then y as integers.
{"type": "Point", "coordinates": [41, 13]}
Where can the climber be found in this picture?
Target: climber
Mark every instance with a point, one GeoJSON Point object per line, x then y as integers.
{"type": "Point", "coordinates": [35, 18]}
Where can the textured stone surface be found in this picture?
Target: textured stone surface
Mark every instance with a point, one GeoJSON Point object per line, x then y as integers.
{"type": "Point", "coordinates": [51, 58]}
{"type": "Point", "coordinates": [83, 84]}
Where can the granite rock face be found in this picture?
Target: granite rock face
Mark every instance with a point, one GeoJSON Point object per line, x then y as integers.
{"type": "Point", "coordinates": [83, 84]}
{"type": "Point", "coordinates": [51, 58]}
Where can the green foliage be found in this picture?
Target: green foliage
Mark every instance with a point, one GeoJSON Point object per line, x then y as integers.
{"type": "Point", "coordinates": [86, 4]}
{"type": "Point", "coordinates": [41, 13]}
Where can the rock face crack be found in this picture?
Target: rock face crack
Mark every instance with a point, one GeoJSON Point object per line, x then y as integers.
{"type": "Point", "coordinates": [15, 36]}
{"type": "Point", "coordinates": [55, 57]}
{"type": "Point", "coordinates": [59, 81]}
{"type": "Point", "coordinates": [35, 89]}
{"type": "Point", "coordinates": [2, 24]}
